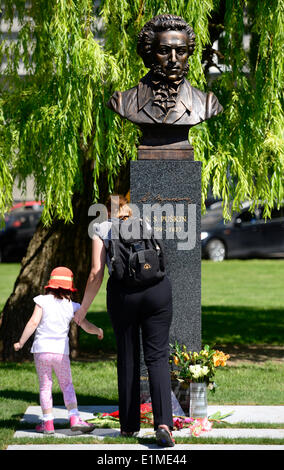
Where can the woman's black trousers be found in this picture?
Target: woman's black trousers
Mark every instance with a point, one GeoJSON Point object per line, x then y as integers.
{"type": "Point", "coordinates": [150, 310]}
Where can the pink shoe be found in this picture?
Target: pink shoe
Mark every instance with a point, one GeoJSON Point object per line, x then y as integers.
{"type": "Point", "coordinates": [46, 427]}
{"type": "Point", "coordinates": [77, 424]}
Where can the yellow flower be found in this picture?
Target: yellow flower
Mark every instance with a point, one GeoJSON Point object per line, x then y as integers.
{"type": "Point", "coordinates": [204, 353]}
{"type": "Point", "coordinates": [186, 356]}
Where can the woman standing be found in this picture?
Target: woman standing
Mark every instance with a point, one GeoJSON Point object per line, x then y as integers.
{"type": "Point", "coordinates": [148, 308]}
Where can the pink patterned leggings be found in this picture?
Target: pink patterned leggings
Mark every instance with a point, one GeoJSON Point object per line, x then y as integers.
{"type": "Point", "coordinates": [44, 363]}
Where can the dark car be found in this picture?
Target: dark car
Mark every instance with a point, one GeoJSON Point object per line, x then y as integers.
{"type": "Point", "coordinates": [246, 235]}
{"type": "Point", "coordinates": [16, 234]}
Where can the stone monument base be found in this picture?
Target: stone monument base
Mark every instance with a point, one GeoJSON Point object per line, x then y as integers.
{"type": "Point", "coordinates": [169, 191]}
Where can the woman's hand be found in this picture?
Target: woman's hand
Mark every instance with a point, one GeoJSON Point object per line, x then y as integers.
{"type": "Point", "coordinates": [79, 316]}
{"type": "Point", "coordinates": [17, 346]}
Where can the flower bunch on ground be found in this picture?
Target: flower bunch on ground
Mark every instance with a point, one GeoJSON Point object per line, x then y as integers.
{"type": "Point", "coordinates": [145, 413]}
{"type": "Point", "coordinates": [196, 426]}
{"type": "Point", "coordinates": [188, 366]}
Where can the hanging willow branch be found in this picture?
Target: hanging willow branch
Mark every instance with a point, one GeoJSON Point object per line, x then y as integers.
{"type": "Point", "coordinates": [245, 160]}
{"type": "Point", "coordinates": [56, 117]}
{"type": "Point", "coordinates": [53, 118]}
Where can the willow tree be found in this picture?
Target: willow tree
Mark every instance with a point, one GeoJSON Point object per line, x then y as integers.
{"type": "Point", "coordinates": [55, 126]}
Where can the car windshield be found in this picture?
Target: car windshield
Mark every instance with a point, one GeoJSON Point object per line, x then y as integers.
{"type": "Point", "coordinates": [213, 216]}
{"type": "Point", "coordinates": [23, 220]}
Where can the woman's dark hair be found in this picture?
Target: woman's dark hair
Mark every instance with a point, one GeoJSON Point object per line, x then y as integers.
{"type": "Point", "coordinates": [158, 24]}
{"type": "Point", "coordinates": [60, 293]}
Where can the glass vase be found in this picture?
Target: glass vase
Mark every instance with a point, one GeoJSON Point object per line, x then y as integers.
{"type": "Point", "coordinates": [198, 400]}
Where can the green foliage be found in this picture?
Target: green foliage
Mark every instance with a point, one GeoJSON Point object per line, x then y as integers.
{"type": "Point", "coordinates": [55, 118]}
{"type": "Point", "coordinates": [242, 149]}
{"type": "Point", "coordinates": [243, 156]}
{"type": "Point", "coordinates": [55, 115]}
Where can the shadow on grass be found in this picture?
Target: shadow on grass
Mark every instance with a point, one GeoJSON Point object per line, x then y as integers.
{"type": "Point", "coordinates": [89, 343]}
{"type": "Point", "coordinates": [220, 325]}
{"type": "Point", "coordinates": [31, 397]}
{"type": "Point", "coordinates": [20, 366]}
{"type": "Point", "coordinates": [242, 325]}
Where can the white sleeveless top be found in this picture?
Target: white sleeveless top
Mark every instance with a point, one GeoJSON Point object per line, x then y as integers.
{"type": "Point", "coordinates": [52, 332]}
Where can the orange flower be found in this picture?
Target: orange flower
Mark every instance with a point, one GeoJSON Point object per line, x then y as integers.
{"type": "Point", "coordinates": [176, 360]}
{"type": "Point", "coordinates": [216, 361]}
{"type": "Point", "coordinates": [220, 359]}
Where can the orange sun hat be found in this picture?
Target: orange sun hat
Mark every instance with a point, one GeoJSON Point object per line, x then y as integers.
{"type": "Point", "coordinates": [61, 277]}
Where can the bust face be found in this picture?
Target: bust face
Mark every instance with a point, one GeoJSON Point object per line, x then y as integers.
{"type": "Point", "coordinates": [171, 53]}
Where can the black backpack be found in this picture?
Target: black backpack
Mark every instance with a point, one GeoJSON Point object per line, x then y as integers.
{"type": "Point", "coordinates": [135, 262]}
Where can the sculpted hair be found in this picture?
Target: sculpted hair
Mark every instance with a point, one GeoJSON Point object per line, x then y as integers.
{"type": "Point", "coordinates": [157, 24]}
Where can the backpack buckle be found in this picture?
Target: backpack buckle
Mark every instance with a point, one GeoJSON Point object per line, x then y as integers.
{"type": "Point", "coordinates": [138, 246]}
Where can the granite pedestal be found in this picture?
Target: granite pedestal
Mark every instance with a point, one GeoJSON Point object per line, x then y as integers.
{"type": "Point", "coordinates": [169, 191]}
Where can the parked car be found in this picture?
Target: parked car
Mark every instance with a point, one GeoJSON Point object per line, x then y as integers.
{"type": "Point", "coordinates": [29, 205]}
{"type": "Point", "coordinates": [247, 235]}
{"type": "Point", "coordinates": [16, 234]}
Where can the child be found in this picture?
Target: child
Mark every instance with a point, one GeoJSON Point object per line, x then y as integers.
{"type": "Point", "coordinates": [51, 319]}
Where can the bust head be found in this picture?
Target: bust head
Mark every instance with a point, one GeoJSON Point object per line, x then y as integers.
{"type": "Point", "coordinates": [165, 43]}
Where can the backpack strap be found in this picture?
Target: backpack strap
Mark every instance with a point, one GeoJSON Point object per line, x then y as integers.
{"type": "Point", "coordinates": [112, 246]}
{"type": "Point", "coordinates": [141, 257]}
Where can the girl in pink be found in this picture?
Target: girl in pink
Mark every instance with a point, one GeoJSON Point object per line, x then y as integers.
{"type": "Point", "coordinates": [51, 320]}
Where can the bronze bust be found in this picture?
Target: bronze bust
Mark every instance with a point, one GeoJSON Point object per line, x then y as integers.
{"type": "Point", "coordinates": [164, 98]}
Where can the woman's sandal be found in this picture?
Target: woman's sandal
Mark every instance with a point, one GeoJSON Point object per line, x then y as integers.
{"type": "Point", "coordinates": [164, 438]}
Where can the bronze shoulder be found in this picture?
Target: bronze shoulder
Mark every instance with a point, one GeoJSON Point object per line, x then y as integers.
{"type": "Point", "coordinates": [121, 101]}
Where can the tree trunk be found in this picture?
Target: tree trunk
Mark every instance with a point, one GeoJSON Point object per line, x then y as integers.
{"type": "Point", "coordinates": [59, 245]}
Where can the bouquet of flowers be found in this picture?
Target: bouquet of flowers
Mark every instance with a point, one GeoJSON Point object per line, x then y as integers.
{"type": "Point", "coordinates": [188, 366]}
{"type": "Point", "coordinates": [196, 426]}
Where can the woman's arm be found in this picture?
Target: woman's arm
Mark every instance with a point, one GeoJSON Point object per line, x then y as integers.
{"type": "Point", "coordinates": [95, 278]}
{"type": "Point", "coordinates": [30, 327]}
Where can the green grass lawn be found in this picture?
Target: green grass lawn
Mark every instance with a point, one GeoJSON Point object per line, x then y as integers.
{"type": "Point", "coordinates": [95, 384]}
{"type": "Point", "coordinates": [242, 303]}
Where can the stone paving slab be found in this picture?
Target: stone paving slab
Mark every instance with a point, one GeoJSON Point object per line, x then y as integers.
{"type": "Point", "coordinates": [148, 433]}
{"type": "Point", "coordinates": [33, 413]}
{"type": "Point", "coordinates": [244, 414]}
{"type": "Point", "coordinates": [146, 447]}
{"type": "Point", "coordinates": [240, 414]}
{"type": "Point", "coordinates": [250, 414]}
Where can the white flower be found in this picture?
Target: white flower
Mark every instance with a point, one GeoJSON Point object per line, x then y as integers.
{"type": "Point", "coordinates": [212, 386]}
{"type": "Point", "coordinates": [197, 371]}
{"type": "Point", "coordinates": [205, 370]}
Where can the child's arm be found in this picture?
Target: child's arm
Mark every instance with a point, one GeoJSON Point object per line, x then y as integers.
{"type": "Point", "coordinates": [91, 328]}
{"type": "Point", "coordinates": [30, 327]}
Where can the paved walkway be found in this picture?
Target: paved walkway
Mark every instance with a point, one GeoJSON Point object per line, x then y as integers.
{"type": "Point", "coordinates": [240, 414]}
{"type": "Point", "coordinates": [146, 448]}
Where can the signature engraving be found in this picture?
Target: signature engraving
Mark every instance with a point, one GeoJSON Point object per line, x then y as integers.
{"type": "Point", "coordinates": [159, 198]}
